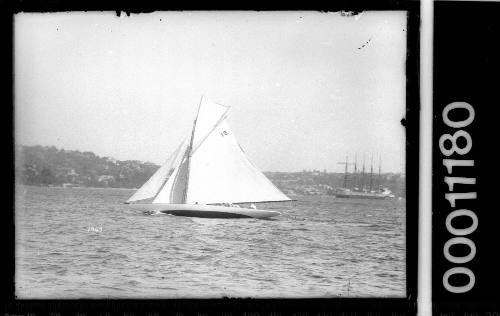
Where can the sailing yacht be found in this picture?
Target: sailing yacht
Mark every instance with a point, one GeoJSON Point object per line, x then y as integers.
{"type": "Point", "coordinates": [208, 175]}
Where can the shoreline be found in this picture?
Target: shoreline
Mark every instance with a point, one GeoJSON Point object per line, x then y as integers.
{"type": "Point", "coordinates": [73, 187]}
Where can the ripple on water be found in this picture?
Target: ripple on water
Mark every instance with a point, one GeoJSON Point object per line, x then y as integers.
{"type": "Point", "coordinates": [313, 248]}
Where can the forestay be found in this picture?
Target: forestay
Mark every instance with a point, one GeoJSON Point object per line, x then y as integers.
{"type": "Point", "coordinates": [155, 183]}
{"type": "Point", "coordinates": [174, 189]}
{"type": "Point", "coordinates": [214, 170]}
{"type": "Point", "coordinates": [220, 172]}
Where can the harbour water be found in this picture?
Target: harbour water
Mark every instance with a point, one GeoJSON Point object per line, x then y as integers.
{"type": "Point", "coordinates": [84, 243]}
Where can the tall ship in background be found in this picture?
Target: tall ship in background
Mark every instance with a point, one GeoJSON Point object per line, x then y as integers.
{"type": "Point", "coordinates": [356, 187]}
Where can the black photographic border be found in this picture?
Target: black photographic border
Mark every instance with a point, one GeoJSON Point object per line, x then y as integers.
{"type": "Point", "coordinates": [466, 68]}
{"type": "Point", "coordinates": [234, 306]}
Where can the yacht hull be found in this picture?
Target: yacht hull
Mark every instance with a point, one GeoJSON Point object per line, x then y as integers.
{"type": "Point", "coordinates": [206, 211]}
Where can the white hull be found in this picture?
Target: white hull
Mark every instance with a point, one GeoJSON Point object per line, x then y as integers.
{"type": "Point", "coordinates": [207, 211]}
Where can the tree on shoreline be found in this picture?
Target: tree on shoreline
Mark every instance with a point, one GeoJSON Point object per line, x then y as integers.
{"type": "Point", "coordinates": [38, 165]}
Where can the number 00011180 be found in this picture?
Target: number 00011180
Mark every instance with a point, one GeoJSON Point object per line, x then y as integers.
{"type": "Point", "coordinates": [453, 166]}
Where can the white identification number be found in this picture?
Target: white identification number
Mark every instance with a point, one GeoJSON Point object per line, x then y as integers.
{"type": "Point", "coordinates": [458, 143]}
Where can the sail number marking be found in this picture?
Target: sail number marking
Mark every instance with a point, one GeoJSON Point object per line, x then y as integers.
{"type": "Point", "coordinates": [223, 133]}
{"type": "Point", "coordinates": [459, 142]}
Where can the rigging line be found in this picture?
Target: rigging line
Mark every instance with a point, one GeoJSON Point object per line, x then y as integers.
{"type": "Point", "coordinates": [164, 182]}
{"type": "Point", "coordinates": [171, 159]}
{"type": "Point", "coordinates": [190, 149]}
{"type": "Point", "coordinates": [222, 118]}
{"type": "Point", "coordinates": [177, 179]}
{"type": "Point", "coordinates": [174, 171]}
{"type": "Point", "coordinates": [266, 178]}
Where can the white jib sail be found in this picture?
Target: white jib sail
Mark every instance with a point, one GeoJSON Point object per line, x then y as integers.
{"type": "Point", "coordinates": [219, 171]}
{"type": "Point", "coordinates": [173, 190]}
{"type": "Point", "coordinates": [154, 184]}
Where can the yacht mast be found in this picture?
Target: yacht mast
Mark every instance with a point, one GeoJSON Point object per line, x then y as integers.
{"type": "Point", "coordinates": [189, 152]}
{"type": "Point", "coordinates": [371, 174]}
{"type": "Point", "coordinates": [363, 174]}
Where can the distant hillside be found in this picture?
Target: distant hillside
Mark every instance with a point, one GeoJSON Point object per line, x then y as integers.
{"type": "Point", "coordinates": [315, 182]}
{"type": "Point", "coordinates": [37, 165]}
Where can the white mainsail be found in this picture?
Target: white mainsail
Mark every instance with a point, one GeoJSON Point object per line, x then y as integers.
{"type": "Point", "coordinates": [214, 169]}
{"type": "Point", "coordinates": [158, 179]}
{"type": "Point", "coordinates": [220, 172]}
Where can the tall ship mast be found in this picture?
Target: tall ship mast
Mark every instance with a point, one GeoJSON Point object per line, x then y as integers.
{"type": "Point", "coordinates": [371, 174]}
{"type": "Point", "coordinates": [361, 192]}
{"type": "Point", "coordinates": [363, 174]}
{"type": "Point", "coordinates": [355, 180]}
{"type": "Point", "coordinates": [345, 173]}
{"type": "Point", "coordinates": [379, 172]}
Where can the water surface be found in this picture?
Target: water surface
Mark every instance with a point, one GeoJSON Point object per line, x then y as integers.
{"type": "Point", "coordinates": [84, 243]}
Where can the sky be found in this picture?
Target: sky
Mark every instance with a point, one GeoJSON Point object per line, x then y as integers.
{"type": "Point", "coordinates": [305, 88]}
